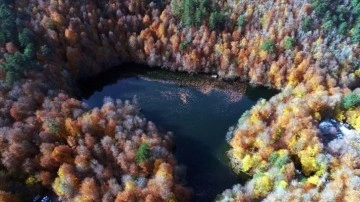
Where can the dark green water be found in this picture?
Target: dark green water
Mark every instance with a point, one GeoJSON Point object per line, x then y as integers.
{"type": "Point", "coordinates": [199, 121]}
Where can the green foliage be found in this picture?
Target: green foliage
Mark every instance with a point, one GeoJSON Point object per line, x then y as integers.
{"type": "Point", "coordinates": [268, 46]}
{"type": "Point", "coordinates": [343, 16]}
{"type": "Point", "coordinates": [7, 23]}
{"type": "Point", "coordinates": [303, 179]}
{"type": "Point", "coordinates": [14, 61]}
{"type": "Point", "coordinates": [273, 156]}
{"type": "Point", "coordinates": [355, 34]}
{"type": "Point", "coordinates": [12, 30]}
{"type": "Point", "coordinates": [52, 125]}
{"type": "Point", "coordinates": [320, 6]}
{"type": "Point", "coordinates": [10, 77]}
{"type": "Point", "coordinates": [241, 21]}
{"type": "Point", "coordinates": [351, 100]}
{"type": "Point", "coordinates": [188, 12]}
{"type": "Point", "coordinates": [2, 37]}
{"type": "Point", "coordinates": [29, 51]}
{"type": "Point", "coordinates": [288, 42]}
{"type": "Point", "coordinates": [45, 51]}
{"type": "Point", "coordinates": [243, 117]}
{"type": "Point", "coordinates": [219, 197]}
{"type": "Point", "coordinates": [17, 63]}
{"type": "Point", "coordinates": [184, 44]}
{"type": "Point", "coordinates": [279, 160]}
{"type": "Point", "coordinates": [217, 20]}
{"type": "Point", "coordinates": [306, 24]}
{"type": "Point", "coordinates": [176, 8]}
{"type": "Point", "coordinates": [25, 37]}
{"type": "Point", "coordinates": [142, 153]}
{"type": "Point", "coordinates": [279, 133]}
{"type": "Point", "coordinates": [356, 7]}
{"type": "Point", "coordinates": [328, 25]}
{"type": "Point", "coordinates": [343, 28]}
{"type": "Point", "coordinates": [191, 12]}
{"type": "Point", "coordinates": [200, 12]}
{"type": "Point", "coordinates": [196, 12]}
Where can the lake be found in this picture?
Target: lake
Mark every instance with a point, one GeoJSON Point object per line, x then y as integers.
{"type": "Point", "coordinates": [198, 111]}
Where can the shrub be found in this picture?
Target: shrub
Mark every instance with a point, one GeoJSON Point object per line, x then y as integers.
{"type": "Point", "coordinates": [350, 100]}
{"type": "Point", "coordinates": [142, 153]}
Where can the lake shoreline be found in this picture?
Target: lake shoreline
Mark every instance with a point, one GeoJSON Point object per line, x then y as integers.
{"type": "Point", "coordinates": [198, 116]}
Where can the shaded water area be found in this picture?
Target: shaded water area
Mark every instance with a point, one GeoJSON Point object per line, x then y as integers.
{"type": "Point", "coordinates": [197, 108]}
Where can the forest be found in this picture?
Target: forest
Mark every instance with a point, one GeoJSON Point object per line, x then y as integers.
{"type": "Point", "coordinates": [51, 142]}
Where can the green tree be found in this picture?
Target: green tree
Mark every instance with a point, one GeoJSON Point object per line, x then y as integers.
{"type": "Point", "coordinates": [355, 34]}
{"type": "Point", "coordinates": [14, 67]}
{"type": "Point", "coordinates": [10, 77]}
{"type": "Point", "coordinates": [25, 37]}
{"type": "Point", "coordinates": [279, 160]}
{"type": "Point", "coordinates": [195, 12]}
{"type": "Point", "coordinates": [12, 30]}
{"type": "Point", "coordinates": [184, 44]}
{"type": "Point", "coordinates": [288, 42]}
{"type": "Point", "coordinates": [216, 20]}
{"type": "Point", "coordinates": [200, 12]}
{"type": "Point", "coordinates": [15, 62]}
{"type": "Point", "coordinates": [342, 15]}
{"type": "Point", "coordinates": [241, 21]}
{"type": "Point", "coordinates": [7, 23]}
{"type": "Point", "coordinates": [356, 6]}
{"type": "Point", "coordinates": [343, 28]}
{"type": "Point", "coordinates": [268, 46]}
{"type": "Point", "coordinates": [29, 51]}
{"type": "Point", "coordinates": [52, 125]}
{"type": "Point", "coordinates": [176, 8]}
{"type": "Point", "coordinates": [320, 6]}
{"type": "Point", "coordinates": [45, 51]}
{"type": "Point", "coordinates": [351, 100]}
{"type": "Point", "coordinates": [306, 24]}
{"type": "Point", "coordinates": [188, 12]}
{"type": "Point", "coordinates": [328, 25]}
{"type": "Point", "coordinates": [142, 153]}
